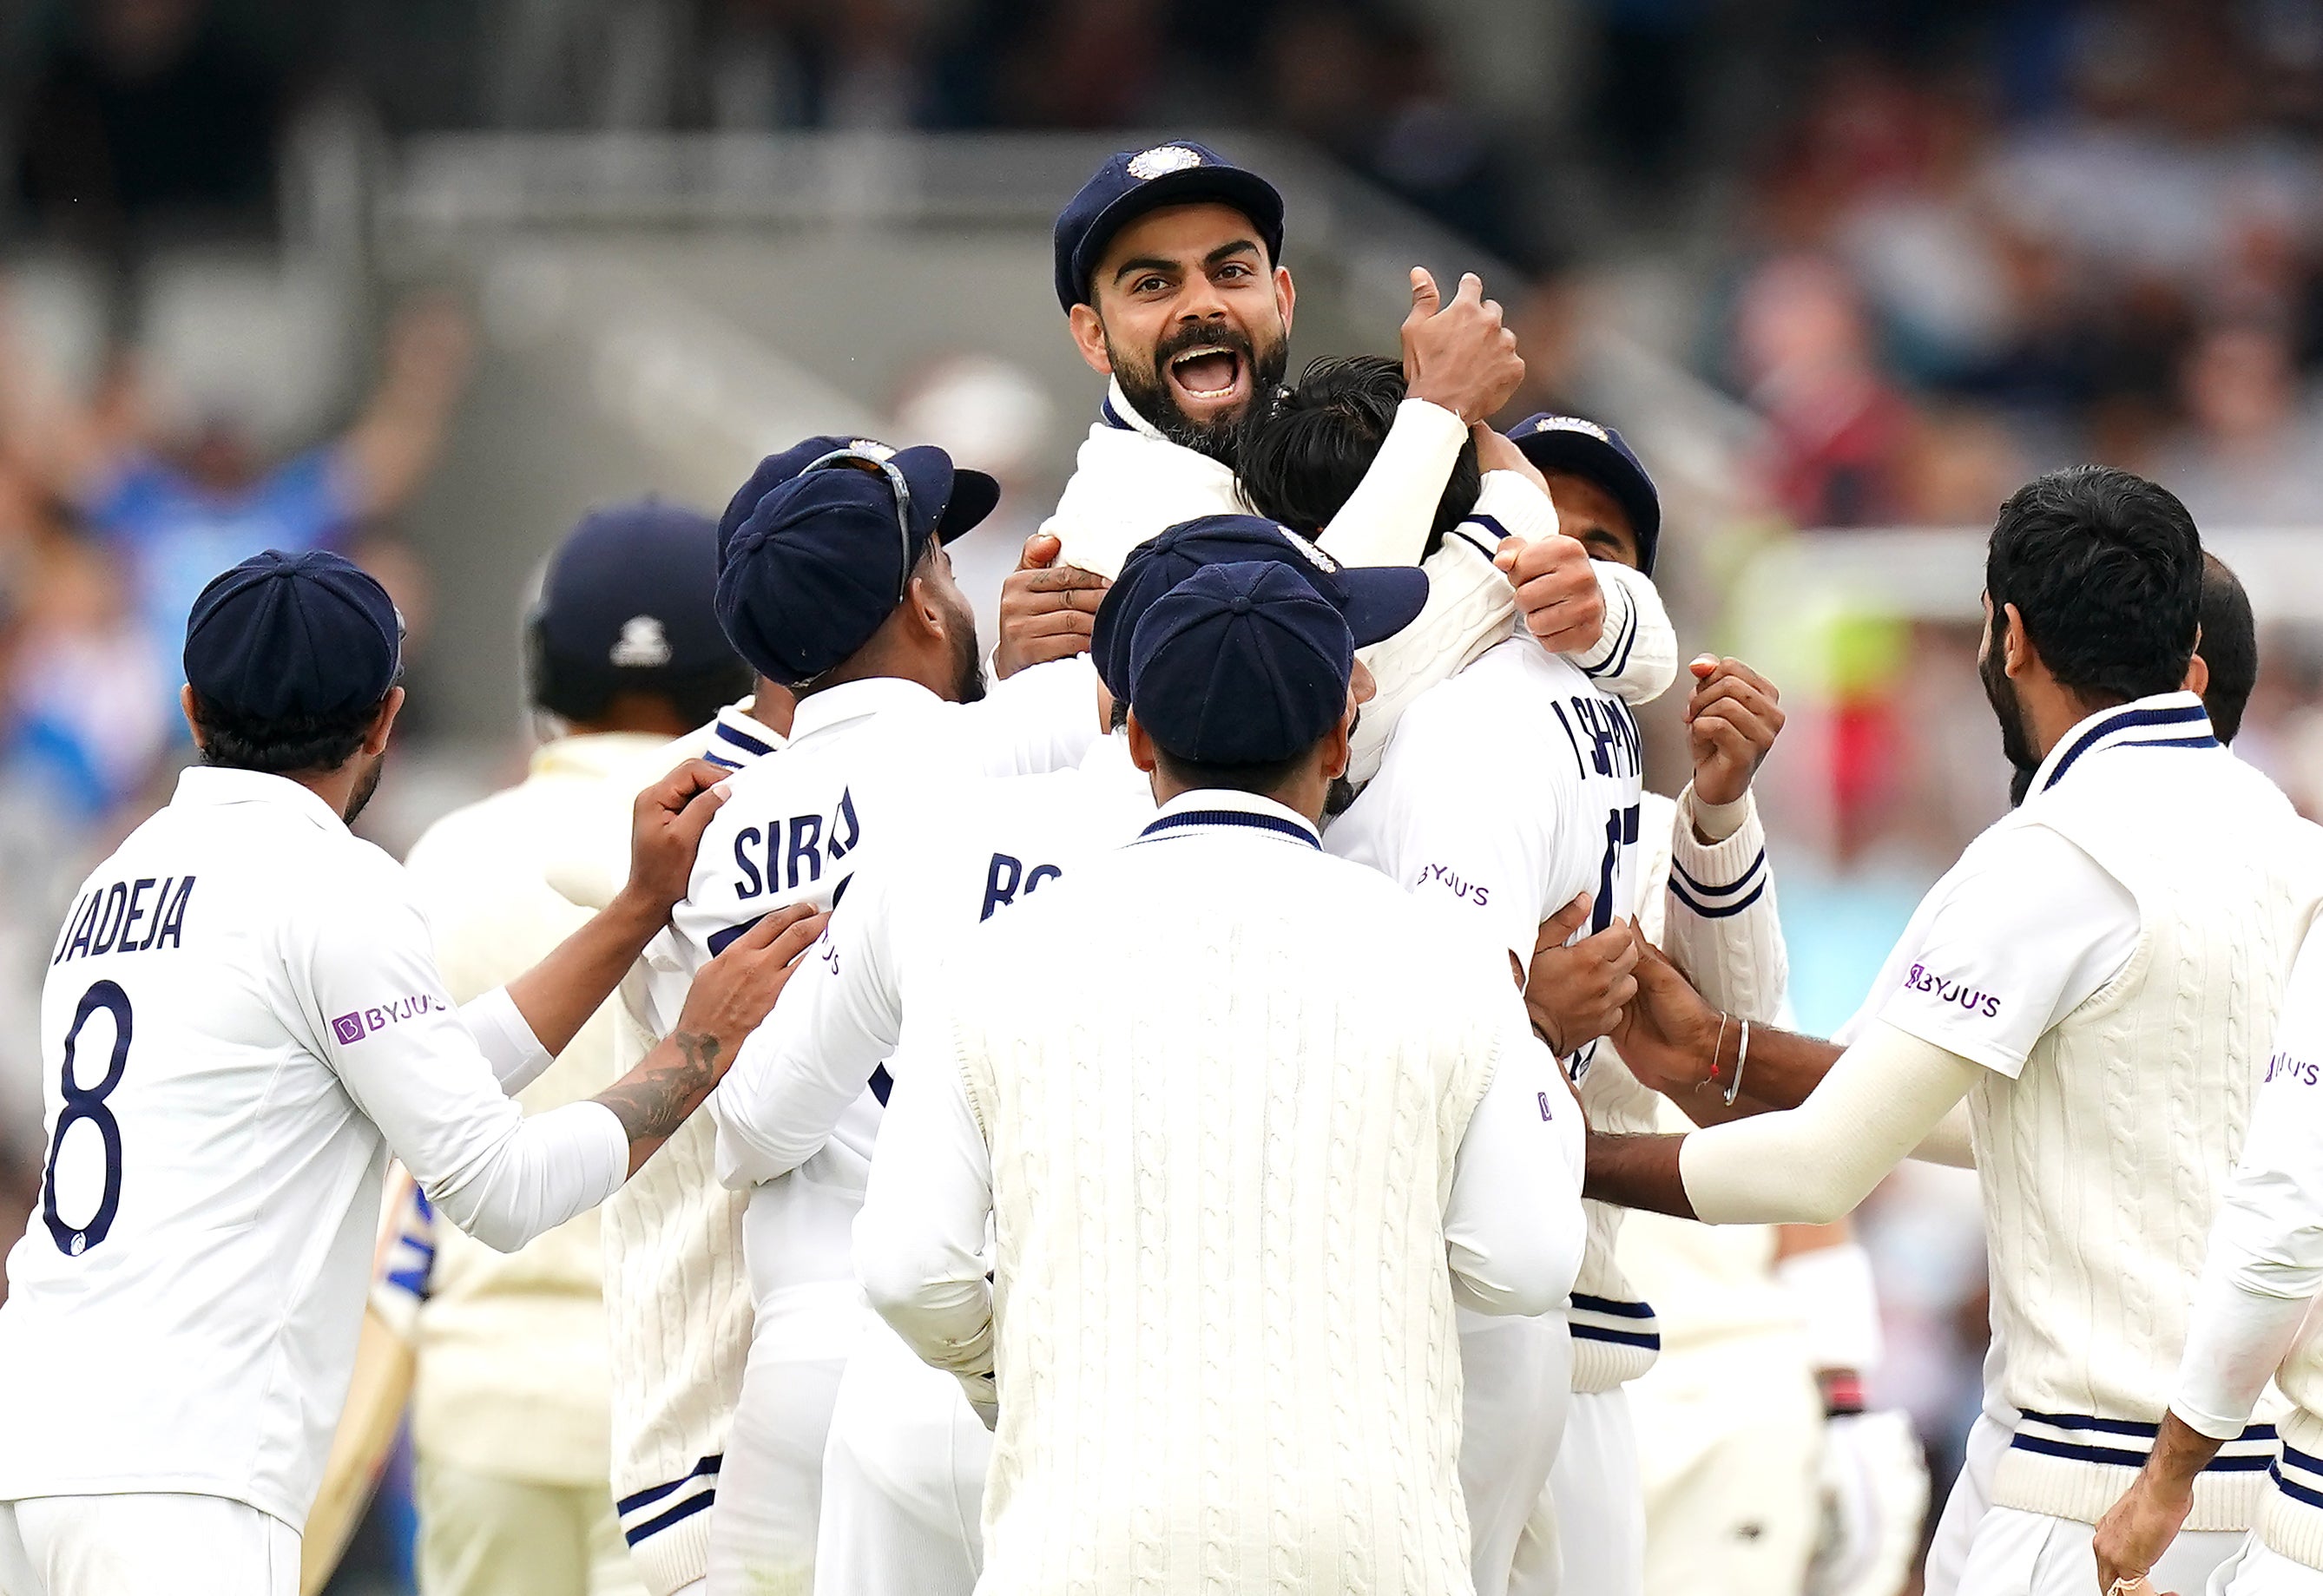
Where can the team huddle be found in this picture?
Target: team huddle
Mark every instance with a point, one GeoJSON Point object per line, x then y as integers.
{"type": "Point", "coordinates": [1152, 1107]}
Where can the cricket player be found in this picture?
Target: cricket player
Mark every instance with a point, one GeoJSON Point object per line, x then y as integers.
{"type": "Point", "coordinates": [509, 1413]}
{"type": "Point", "coordinates": [243, 1017]}
{"type": "Point", "coordinates": [1168, 269]}
{"type": "Point", "coordinates": [1230, 1360]}
{"type": "Point", "coordinates": [835, 582]}
{"type": "Point", "coordinates": [2252, 1320]}
{"type": "Point", "coordinates": [2224, 671]}
{"type": "Point", "coordinates": [904, 1467]}
{"type": "Point", "coordinates": [2097, 978]}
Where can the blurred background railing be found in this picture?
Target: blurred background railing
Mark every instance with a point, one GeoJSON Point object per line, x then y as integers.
{"type": "Point", "coordinates": [424, 279]}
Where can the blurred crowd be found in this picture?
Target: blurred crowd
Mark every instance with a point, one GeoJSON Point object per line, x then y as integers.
{"type": "Point", "coordinates": [1929, 246]}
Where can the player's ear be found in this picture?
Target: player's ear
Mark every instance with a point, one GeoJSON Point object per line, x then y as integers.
{"type": "Point", "coordinates": [2017, 653]}
{"type": "Point", "coordinates": [193, 722]}
{"type": "Point", "coordinates": [1088, 337]}
{"type": "Point", "coordinates": [1338, 745]}
{"type": "Point", "coordinates": [382, 725]}
{"type": "Point", "coordinates": [1141, 745]}
{"type": "Point", "coordinates": [2198, 676]}
{"type": "Point", "coordinates": [1285, 297]}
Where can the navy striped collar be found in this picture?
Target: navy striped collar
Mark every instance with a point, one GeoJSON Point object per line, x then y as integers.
{"type": "Point", "coordinates": [1116, 412]}
{"type": "Point", "coordinates": [1215, 809]}
{"type": "Point", "coordinates": [2165, 721]}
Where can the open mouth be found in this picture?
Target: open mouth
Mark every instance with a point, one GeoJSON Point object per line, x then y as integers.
{"type": "Point", "coordinates": [1209, 374]}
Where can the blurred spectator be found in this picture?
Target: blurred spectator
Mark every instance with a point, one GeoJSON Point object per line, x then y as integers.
{"type": "Point", "coordinates": [988, 413]}
{"type": "Point", "coordinates": [177, 499]}
{"type": "Point", "coordinates": [145, 111]}
{"type": "Point", "coordinates": [1840, 427]}
{"type": "Point", "coordinates": [2251, 453]}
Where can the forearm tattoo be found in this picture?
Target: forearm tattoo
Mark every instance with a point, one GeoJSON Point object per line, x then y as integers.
{"type": "Point", "coordinates": [653, 1099]}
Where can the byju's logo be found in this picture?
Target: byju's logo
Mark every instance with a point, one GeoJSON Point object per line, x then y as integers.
{"type": "Point", "coordinates": [352, 1028]}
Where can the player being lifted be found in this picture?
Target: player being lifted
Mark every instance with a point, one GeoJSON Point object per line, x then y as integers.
{"type": "Point", "coordinates": [242, 1018]}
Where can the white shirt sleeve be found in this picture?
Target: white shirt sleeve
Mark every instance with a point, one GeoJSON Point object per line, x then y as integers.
{"type": "Point", "coordinates": [1386, 520]}
{"type": "Point", "coordinates": [384, 1023]}
{"type": "Point", "coordinates": [1513, 1225]}
{"type": "Point", "coordinates": [1041, 719]}
{"type": "Point", "coordinates": [837, 1022]}
{"type": "Point", "coordinates": [1719, 925]}
{"type": "Point", "coordinates": [919, 1239]}
{"type": "Point", "coordinates": [1636, 658]}
{"type": "Point", "coordinates": [2018, 934]}
{"type": "Point", "coordinates": [2265, 1261]}
{"type": "Point", "coordinates": [506, 1041]}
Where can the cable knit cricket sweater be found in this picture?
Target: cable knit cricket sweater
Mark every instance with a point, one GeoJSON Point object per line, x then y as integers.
{"type": "Point", "coordinates": [2101, 1164]}
{"type": "Point", "coordinates": [1223, 1131]}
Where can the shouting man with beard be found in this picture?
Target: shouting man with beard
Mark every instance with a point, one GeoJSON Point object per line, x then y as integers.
{"type": "Point", "coordinates": [1168, 269]}
{"type": "Point", "coordinates": [2098, 977]}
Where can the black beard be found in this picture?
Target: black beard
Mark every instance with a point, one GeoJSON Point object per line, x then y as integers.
{"type": "Point", "coordinates": [364, 787]}
{"type": "Point", "coordinates": [2006, 708]}
{"type": "Point", "coordinates": [1148, 389]}
{"type": "Point", "coordinates": [2020, 785]}
{"type": "Point", "coordinates": [967, 658]}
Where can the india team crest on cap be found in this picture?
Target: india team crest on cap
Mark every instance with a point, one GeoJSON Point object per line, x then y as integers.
{"type": "Point", "coordinates": [1314, 557]}
{"type": "Point", "coordinates": [1160, 161]}
{"type": "Point", "coordinates": [1571, 423]}
{"type": "Point", "coordinates": [643, 643]}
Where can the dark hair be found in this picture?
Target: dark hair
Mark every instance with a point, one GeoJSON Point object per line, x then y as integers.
{"type": "Point", "coordinates": [2229, 647]}
{"type": "Point", "coordinates": [2106, 570]}
{"type": "Point", "coordinates": [1265, 780]}
{"type": "Point", "coordinates": [1302, 455]}
{"type": "Point", "coordinates": [299, 742]}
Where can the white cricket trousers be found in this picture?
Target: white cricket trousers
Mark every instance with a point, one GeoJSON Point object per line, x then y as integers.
{"type": "Point", "coordinates": [903, 1479]}
{"type": "Point", "coordinates": [1964, 1508]}
{"type": "Point", "coordinates": [1516, 1378]}
{"type": "Point", "coordinates": [130, 1543]}
{"type": "Point", "coordinates": [2256, 1571]}
{"type": "Point", "coordinates": [2020, 1554]}
{"type": "Point", "coordinates": [1599, 1505]}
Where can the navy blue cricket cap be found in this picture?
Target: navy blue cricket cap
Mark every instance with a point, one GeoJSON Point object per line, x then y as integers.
{"type": "Point", "coordinates": [1376, 601]}
{"type": "Point", "coordinates": [1242, 664]}
{"type": "Point", "coordinates": [628, 601]}
{"type": "Point", "coordinates": [288, 636]}
{"type": "Point", "coordinates": [1574, 443]}
{"type": "Point", "coordinates": [813, 558]}
{"type": "Point", "coordinates": [1132, 182]}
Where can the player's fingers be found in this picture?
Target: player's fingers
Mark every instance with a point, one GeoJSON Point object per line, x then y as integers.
{"type": "Point", "coordinates": [1057, 579]}
{"type": "Point", "coordinates": [1702, 665]}
{"type": "Point", "coordinates": [1069, 627]}
{"type": "Point", "coordinates": [673, 791]}
{"type": "Point", "coordinates": [1039, 550]}
{"type": "Point", "coordinates": [1558, 928]}
{"type": "Point", "coordinates": [1471, 289]}
{"type": "Point", "coordinates": [772, 925]}
{"type": "Point", "coordinates": [1492, 310]}
{"type": "Point", "coordinates": [1426, 297]}
{"type": "Point", "coordinates": [791, 943]}
{"type": "Point", "coordinates": [1624, 994]}
{"type": "Point", "coordinates": [1740, 670]}
{"type": "Point", "coordinates": [1083, 601]}
{"type": "Point", "coordinates": [1747, 695]}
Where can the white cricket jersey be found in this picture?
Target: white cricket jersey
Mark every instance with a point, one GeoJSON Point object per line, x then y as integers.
{"type": "Point", "coordinates": [243, 1017]}
{"type": "Point", "coordinates": [868, 765]}
{"type": "Point", "coordinates": [1506, 790]}
{"type": "Point", "coordinates": [995, 844]}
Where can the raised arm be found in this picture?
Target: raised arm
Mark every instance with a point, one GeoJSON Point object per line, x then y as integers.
{"type": "Point", "coordinates": [1460, 365]}
{"type": "Point", "coordinates": [1513, 1223]}
{"type": "Point", "coordinates": [395, 441]}
{"type": "Point", "coordinates": [1722, 928]}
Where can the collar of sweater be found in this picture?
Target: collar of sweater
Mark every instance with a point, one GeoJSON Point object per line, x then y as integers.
{"type": "Point", "coordinates": [1212, 810]}
{"type": "Point", "coordinates": [2165, 721]}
